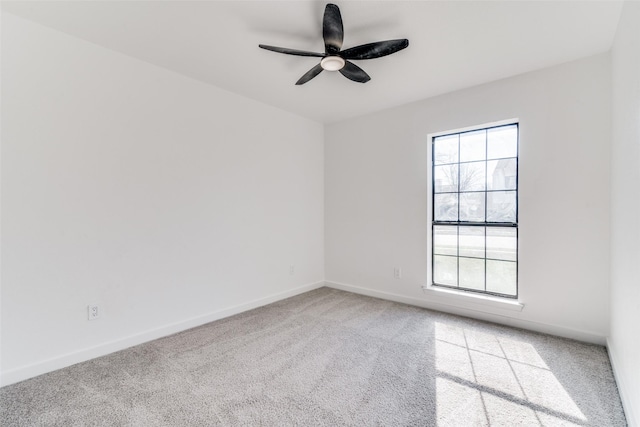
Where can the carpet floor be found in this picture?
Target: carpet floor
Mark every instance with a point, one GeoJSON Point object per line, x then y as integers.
{"type": "Point", "coordinates": [332, 358]}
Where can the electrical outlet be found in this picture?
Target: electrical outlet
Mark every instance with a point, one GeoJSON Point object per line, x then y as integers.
{"type": "Point", "coordinates": [94, 312]}
{"type": "Point", "coordinates": [397, 273]}
{"type": "Point", "coordinates": [292, 269]}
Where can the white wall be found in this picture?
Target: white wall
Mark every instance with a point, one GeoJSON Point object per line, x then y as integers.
{"type": "Point", "coordinates": [166, 201]}
{"type": "Point", "coordinates": [376, 197]}
{"type": "Point", "coordinates": [624, 345]}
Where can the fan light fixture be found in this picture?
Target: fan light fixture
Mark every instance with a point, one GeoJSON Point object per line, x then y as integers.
{"type": "Point", "coordinates": [336, 59]}
{"type": "Point", "coordinates": [332, 63]}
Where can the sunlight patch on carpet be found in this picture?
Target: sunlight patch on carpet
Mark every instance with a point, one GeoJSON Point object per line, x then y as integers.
{"type": "Point", "coordinates": [483, 379]}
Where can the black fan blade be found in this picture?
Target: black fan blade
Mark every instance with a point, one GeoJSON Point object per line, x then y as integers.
{"type": "Point", "coordinates": [355, 73]}
{"type": "Point", "coordinates": [310, 74]}
{"type": "Point", "coordinates": [375, 50]}
{"type": "Point", "coordinates": [291, 51]}
{"type": "Point", "coordinates": [332, 30]}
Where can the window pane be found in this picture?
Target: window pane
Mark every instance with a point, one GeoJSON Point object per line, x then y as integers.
{"type": "Point", "coordinates": [473, 146]}
{"type": "Point", "coordinates": [471, 242]}
{"type": "Point", "coordinates": [502, 243]}
{"type": "Point", "coordinates": [501, 277]}
{"type": "Point", "coordinates": [472, 176]}
{"type": "Point", "coordinates": [445, 178]}
{"type": "Point", "coordinates": [445, 270]}
{"type": "Point", "coordinates": [502, 142]}
{"type": "Point", "coordinates": [445, 207]}
{"type": "Point", "coordinates": [445, 149]}
{"type": "Point", "coordinates": [472, 273]}
{"type": "Point", "coordinates": [501, 174]}
{"type": "Point", "coordinates": [445, 240]}
{"type": "Point", "coordinates": [501, 206]}
{"type": "Point", "coordinates": [472, 207]}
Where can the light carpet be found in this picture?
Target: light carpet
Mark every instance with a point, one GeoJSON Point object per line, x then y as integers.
{"type": "Point", "coordinates": [329, 357]}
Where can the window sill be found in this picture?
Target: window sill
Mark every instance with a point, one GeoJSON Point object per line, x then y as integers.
{"type": "Point", "coordinates": [471, 300]}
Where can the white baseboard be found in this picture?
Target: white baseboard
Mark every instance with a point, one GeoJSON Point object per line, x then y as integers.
{"type": "Point", "coordinates": [623, 386]}
{"type": "Point", "coordinates": [29, 371]}
{"type": "Point", "coordinates": [491, 314]}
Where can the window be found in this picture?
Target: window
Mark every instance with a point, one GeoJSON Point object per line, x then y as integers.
{"type": "Point", "coordinates": [474, 243]}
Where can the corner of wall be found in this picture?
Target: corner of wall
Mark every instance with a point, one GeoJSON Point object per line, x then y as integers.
{"type": "Point", "coordinates": [623, 385]}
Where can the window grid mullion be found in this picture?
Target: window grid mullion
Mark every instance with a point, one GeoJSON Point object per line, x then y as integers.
{"type": "Point", "coordinates": [486, 188]}
{"type": "Point", "coordinates": [458, 227]}
{"type": "Point", "coordinates": [458, 257]}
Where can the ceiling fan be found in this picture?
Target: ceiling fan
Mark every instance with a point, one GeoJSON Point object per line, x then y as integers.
{"type": "Point", "coordinates": [334, 59]}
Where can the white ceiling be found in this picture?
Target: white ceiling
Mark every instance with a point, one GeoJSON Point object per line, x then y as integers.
{"type": "Point", "coordinates": [452, 44]}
